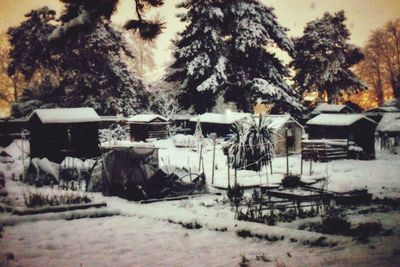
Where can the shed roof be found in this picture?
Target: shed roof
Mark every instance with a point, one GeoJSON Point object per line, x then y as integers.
{"type": "Point", "coordinates": [390, 122]}
{"type": "Point", "coordinates": [278, 121]}
{"type": "Point", "coordinates": [383, 109]}
{"type": "Point", "coordinates": [146, 118]}
{"type": "Point", "coordinates": [221, 118]}
{"type": "Point", "coordinates": [332, 108]}
{"type": "Point", "coordinates": [337, 119]}
{"type": "Point", "coordinates": [66, 115]}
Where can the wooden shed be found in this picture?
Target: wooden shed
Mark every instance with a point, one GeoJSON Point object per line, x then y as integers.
{"type": "Point", "coordinates": [108, 121]}
{"type": "Point", "coordinates": [325, 108]}
{"type": "Point", "coordinates": [377, 113]}
{"type": "Point", "coordinates": [181, 123]}
{"type": "Point", "coordinates": [351, 127]}
{"type": "Point", "coordinates": [60, 132]}
{"type": "Point", "coordinates": [219, 123]}
{"type": "Point", "coordinates": [145, 126]}
{"type": "Point", "coordinates": [279, 124]}
{"type": "Point", "coordinates": [388, 130]}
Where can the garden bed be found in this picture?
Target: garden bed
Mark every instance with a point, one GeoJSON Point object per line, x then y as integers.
{"type": "Point", "coordinates": [59, 208]}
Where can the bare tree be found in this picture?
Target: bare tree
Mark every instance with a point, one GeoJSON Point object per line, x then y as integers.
{"type": "Point", "coordinates": [381, 67]}
{"type": "Point", "coordinates": [10, 86]}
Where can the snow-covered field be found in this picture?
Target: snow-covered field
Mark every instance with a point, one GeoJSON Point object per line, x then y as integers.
{"type": "Point", "coordinates": [157, 234]}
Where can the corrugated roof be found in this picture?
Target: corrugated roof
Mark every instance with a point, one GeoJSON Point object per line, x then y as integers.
{"type": "Point", "coordinates": [66, 115]}
{"type": "Point", "coordinates": [337, 119]}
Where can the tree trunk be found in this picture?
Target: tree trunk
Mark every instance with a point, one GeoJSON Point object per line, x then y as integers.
{"type": "Point", "coordinates": [378, 88]}
{"type": "Point", "coordinates": [395, 82]}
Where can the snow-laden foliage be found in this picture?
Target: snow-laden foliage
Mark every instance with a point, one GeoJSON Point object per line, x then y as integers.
{"type": "Point", "coordinates": [200, 62]}
{"type": "Point", "coordinates": [83, 70]}
{"type": "Point", "coordinates": [324, 58]}
{"type": "Point", "coordinates": [115, 133]}
{"type": "Point", "coordinates": [255, 73]}
{"type": "Point", "coordinates": [223, 51]}
{"type": "Point", "coordinates": [251, 146]}
{"type": "Point", "coordinates": [80, 16]}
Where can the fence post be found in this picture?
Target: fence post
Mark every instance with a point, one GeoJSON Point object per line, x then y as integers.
{"type": "Point", "coordinates": [213, 137]}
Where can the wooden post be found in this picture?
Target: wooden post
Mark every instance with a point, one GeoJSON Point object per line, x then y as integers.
{"type": "Point", "coordinates": [301, 163]}
{"type": "Point", "coordinates": [213, 137]}
{"type": "Point", "coordinates": [235, 172]}
{"type": "Point", "coordinates": [201, 155]}
{"type": "Point", "coordinates": [229, 176]}
{"type": "Point", "coordinates": [287, 151]}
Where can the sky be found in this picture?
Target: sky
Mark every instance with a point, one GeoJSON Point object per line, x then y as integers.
{"type": "Point", "coordinates": [363, 16]}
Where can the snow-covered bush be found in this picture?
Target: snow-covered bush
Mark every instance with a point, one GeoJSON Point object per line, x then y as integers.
{"type": "Point", "coordinates": [117, 133]}
{"type": "Point", "coordinates": [42, 172]}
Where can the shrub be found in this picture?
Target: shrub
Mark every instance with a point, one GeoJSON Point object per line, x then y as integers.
{"type": "Point", "coordinates": [36, 199]}
{"type": "Point", "coordinates": [335, 224]}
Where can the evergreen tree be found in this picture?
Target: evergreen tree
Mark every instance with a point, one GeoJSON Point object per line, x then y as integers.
{"type": "Point", "coordinates": [324, 58]}
{"type": "Point", "coordinates": [222, 52]}
{"type": "Point", "coordinates": [84, 69]}
{"type": "Point", "coordinates": [255, 73]}
{"type": "Point", "coordinates": [199, 54]}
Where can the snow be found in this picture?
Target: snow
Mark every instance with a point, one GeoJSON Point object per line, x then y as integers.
{"type": "Point", "coordinates": [66, 115]}
{"type": "Point", "coordinates": [146, 118]}
{"type": "Point", "coordinates": [126, 143]}
{"type": "Point", "coordinates": [390, 122]}
{"type": "Point", "coordinates": [150, 234]}
{"type": "Point", "coordinates": [382, 109]}
{"type": "Point", "coordinates": [221, 118]}
{"type": "Point", "coordinates": [337, 119]}
{"type": "Point", "coordinates": [46, 166]}
{"type": "Point", "coordinates": [278, 121]}
{"type": "Point", "coordinates": [325, 107]}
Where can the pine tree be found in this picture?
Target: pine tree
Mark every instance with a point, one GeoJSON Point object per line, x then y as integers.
{"type": "Point", "coordinates": [255, 73]}
{"type": "Point", "coordinates": [84, 69]}
{"type": "Point", "coordinates": [324, 58]}
{"type": "Point", "coordinates": [222, 52]}
{"type": "Point", "coordinates": [199, 54]}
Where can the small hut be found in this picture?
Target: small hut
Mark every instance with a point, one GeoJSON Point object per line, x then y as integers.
{"type": "Point", "coordinates": [147, 126]}
{"type": "Point", "coordinates": [219, 123]}
{"type": "Point", "coordinates": [325, 108]}
{"type": "Point", "coordinates": [388, 130]}
{"type": "Point", "coordinates": [108, 121]}
{"type": "Point", "coordinates": [181, 123]}
{"type": "Point", "coordinates": [377, 113]}
{"type": "Point", "coordinates": [61, 132]}
{"type": "Point", "coordinates": [286, 129]}
{"type": "Point", "coordinates": [355, 128]}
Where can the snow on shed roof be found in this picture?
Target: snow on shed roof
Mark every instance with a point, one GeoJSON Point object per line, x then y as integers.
{"type": "Point", "coordinates": [278, 121]}
{"type": "Point", "coordinates": [221, 118]}
{"type": "Point", "coordinates": [325, 107]}
{"type": "Point", "coordinates": [146, 118]}
{"type": "Point", "coordinates": [383, 109]}
{"type": "Point", "coordinates": [66, 115]}
{"type": "Point", "coordinates": [337, 119]}
{"type": "Point", "coordinates": [390, 122]}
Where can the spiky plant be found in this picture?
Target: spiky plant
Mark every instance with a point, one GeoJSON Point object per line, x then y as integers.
{"type": "Point", "coordinates": [251, 146]}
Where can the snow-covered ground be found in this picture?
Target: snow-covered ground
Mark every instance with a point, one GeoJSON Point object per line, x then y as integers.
{"type": "Point", "coordinates": [380, 176]}
{"type": "Point", "coordinates": [153, 234]}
